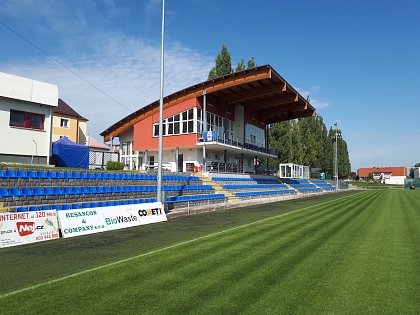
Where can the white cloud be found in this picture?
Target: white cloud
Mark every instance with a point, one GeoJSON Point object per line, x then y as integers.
{"type": "Point", "coordinates": [318, 104]}
{"type": "Point", "coordinates": [125, 68]}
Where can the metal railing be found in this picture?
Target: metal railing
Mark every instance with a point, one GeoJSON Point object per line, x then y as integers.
{"type": "Point", "coordinates": [99, 159]}
{"type": "Point", "coordinates": [238, 142]}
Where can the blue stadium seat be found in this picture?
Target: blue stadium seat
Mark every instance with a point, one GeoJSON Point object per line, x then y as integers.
{"type": "Point", "coordinates": [31, 174]}
{"type": "Point", "coordinates": [57, 191]}
{"type": "Point", "coordinates": [33, 208]}
{"type": "Point", "coordinates": [27, 192]}
{"type": "Point", "coordinates": [41, 175]}
{"type": "Point", "coordinates": [10, 174]}
{"type": "Point", "coordinates": [21, 209]}
{"type": "Point", "coordinates": [65, 207]}
{"type": "Point", "coordinates": [85, 205]}
{"type": "Point", "coordinates": [38, 191]}
{"type": "Point", "coordinates": [45, 207]}
{"type": "Point", "coordinates": [101, 204]}
{"type": "Point", "coordinates": [93, 205]}
{"type": "Point", "coordinates": [15, 192]}
{"type": "Point", "coordinates": [55, 207]}
{"type": "Point", "coordinates": [21, 174]}
{"type": "Point", "coordinates": [51, 175]}
{"type": "Point", "coordinates": [75, 206]}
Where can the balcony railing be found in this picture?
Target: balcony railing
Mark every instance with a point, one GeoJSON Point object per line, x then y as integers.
{"type": "Point", "coordinates": [213, 136]}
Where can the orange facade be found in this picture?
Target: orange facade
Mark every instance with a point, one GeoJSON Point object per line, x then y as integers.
{"type": "Point", "coordinates": [143, 130]}
{"type": "Point", "coordinates": [394, 171]}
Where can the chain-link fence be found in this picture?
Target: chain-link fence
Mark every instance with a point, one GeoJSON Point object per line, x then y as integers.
{"type": "Point", "coordinates": [412, 181]}
{"type": "Point", "coordinates": [99, 159]}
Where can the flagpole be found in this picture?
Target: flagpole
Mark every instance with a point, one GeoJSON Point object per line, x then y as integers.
{"type": "Point", "coordinates": [160, 154]}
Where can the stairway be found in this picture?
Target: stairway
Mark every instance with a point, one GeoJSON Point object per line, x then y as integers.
{"type": "Point", "coordinates": [217, 187]}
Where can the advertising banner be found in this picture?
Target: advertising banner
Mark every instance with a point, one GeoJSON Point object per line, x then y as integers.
{"type": "Point", "coordinates": [28, 227]}
{"type": "Point", "coordinates": [151, 212]}
{"type": "Point", "coordinates": [124, 216]}
{"type": "Point", "coordinates": [81, 222]}
{"type": "Point", "coordinates": [119, 217]}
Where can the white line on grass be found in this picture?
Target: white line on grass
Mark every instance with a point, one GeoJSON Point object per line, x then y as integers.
{"type": "Point", "coordinates": [156, 251]}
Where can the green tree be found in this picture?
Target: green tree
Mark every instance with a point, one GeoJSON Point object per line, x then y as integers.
{"type": "Point", "coordinates": [240, 66]}
{"type": "Point", "coordinates": [223, 65]}
{"type": "Point", "coordinates": [251, 63]}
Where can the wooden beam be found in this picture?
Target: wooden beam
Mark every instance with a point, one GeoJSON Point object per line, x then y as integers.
{"type": "Point", "coordinates": [282, 99]}
{"type": "Point", "coordinates": [278, 110]}
{"type": "Point", "coordinates": [284, 117]}
{"type": "Point", "coordinates": [255, 92]}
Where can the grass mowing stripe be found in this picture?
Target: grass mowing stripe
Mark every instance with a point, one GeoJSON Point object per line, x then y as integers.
{"type": "Point", "coordinates": [68, 256]}
{"type": "Point", "coordinates": [353, 248]}
{"type": "Point", "coordinates": [115, 269]}
{"type": "Point", "coordinates": [59, 279]}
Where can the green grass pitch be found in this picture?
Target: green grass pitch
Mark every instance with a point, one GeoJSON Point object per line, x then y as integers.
{"type": "Point", "coordinates": [346, 253]}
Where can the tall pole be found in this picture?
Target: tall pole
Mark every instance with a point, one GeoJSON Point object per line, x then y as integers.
{"type": "Point", "coordinates": [336, 154]}
{"type": "Point", "coordinates": [204, 121]}
{"type": "Point", "coordinates": [159, 178]}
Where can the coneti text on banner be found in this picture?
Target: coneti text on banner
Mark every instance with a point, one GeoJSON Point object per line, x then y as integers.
{"type": "Point", "coordinates": [94, 220]}
{"type": "Point", "coordinates": [27, 227]}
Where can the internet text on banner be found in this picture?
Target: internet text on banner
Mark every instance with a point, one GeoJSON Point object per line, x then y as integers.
{"type": "Point", "coordinates": [28, 227]}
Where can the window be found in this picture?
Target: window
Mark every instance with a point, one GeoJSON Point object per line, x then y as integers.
{"type": "Point", "coordinates": [26, 120]}
{"type": "Point", "coordinates": [64, 123]}
{"type": "Point", "coordinates": [180, 123]}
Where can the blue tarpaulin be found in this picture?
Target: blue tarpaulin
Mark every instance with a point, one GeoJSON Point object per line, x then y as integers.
{"type": "Point", "coordinates": [70, 154]}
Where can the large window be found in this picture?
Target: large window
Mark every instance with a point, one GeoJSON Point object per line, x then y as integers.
{"type": "Point", "coordinates": [217, 123]}
{"type": "Point", "coordinates": [26, 120]}
{"type": "Point", "coordinates": [181, 123]}
{"type": "Point", "coordinates": [255, 135]}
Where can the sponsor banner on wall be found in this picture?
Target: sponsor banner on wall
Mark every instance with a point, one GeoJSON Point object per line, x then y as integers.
{"type": "Point", "coordinates": [119, 217]}
{"type": "Point", "coordinates": [28, 227]}
{"type": "Point", "coordinates": [81, 221]}
{"type": "Point", "coordinates": [151, 212]}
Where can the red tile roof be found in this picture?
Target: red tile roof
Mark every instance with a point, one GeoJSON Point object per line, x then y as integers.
{"type": "Point", "coordinates": [394, 170]}
{"type": "Point", "coordinates": [93, 143]}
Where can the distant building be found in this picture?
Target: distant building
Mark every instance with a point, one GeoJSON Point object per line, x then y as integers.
{"type": "Point", "coordinates": [26, 112]}
{"type": "Point", "coordinates": [95, 145]}
{"type": "Point", "coordinates": [67, 122]}
{"type": "Point", "coordinates": [387, 175]}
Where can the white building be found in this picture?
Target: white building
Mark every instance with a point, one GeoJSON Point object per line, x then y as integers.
{"type": "Point", "coordinates": [26, 111]}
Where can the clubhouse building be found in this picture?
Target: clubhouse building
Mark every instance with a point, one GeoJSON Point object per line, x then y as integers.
{"type": "Point", "coordinates": [220, 125]}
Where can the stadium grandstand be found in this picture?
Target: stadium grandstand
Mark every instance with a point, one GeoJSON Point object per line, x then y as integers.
{"type": "Point", "coordinates": [218, 126]}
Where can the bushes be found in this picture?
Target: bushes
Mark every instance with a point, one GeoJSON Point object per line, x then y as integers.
{"type": "Point", "coordinates": [111, 165]}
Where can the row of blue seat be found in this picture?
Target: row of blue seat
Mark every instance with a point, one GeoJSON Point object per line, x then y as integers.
{"type": "Point", "coordinates": [85, 205]}
{"type": "Point", "coordinates": [255, 186]}
{"type": "Point", "coordinates": [91, 190]}
{"type": "Point", "coordinates": [266, 192]}
{"type": "Point", "coordinates": [10, 174]}
{"type": "Point", "coordinates": [302, 185]}
{"type": "Point", "coordinates": [196, 197]}
{"type": "Point", "coordinates": [312, 189]}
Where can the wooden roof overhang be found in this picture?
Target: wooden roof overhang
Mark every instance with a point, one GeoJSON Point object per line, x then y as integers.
{"type": "Point", "coordinates": [261, 90]}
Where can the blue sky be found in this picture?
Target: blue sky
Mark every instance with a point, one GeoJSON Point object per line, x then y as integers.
{"type": "Point", "coordinates": [358, 60]}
